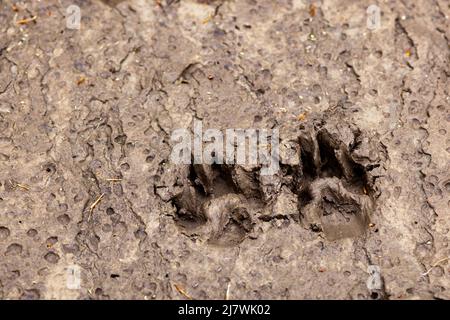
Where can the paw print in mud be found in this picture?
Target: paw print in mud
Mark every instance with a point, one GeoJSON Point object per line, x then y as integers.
{"type": "Point", "coordinates": [329, 189]}
{"type": "Point", "coordinates": [212, 208]}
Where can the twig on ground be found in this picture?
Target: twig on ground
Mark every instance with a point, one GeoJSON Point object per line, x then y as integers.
{"type": "Point", "coordinates": [26, 20]}
{"type": "Point", "coordinates": [23, 186]}
{"type": "Point", "coordinates": [96, 202]}
{"type": "Point", "coordinates": [434, 266]}
{"type": "Point", "coordinates": [182, 292]}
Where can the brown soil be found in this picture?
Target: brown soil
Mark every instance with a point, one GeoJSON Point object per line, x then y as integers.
{"type": "Point", "coordinates": [86, 178]}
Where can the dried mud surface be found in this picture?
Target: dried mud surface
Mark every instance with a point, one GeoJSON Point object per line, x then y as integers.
{"type": "Point", "coordinates": [85, 171]}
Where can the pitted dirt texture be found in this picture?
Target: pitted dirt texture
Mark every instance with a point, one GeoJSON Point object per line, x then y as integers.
{"type": "Point", "coordinates": [86, 180]}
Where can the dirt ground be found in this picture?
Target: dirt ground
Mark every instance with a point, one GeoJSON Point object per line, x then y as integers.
{"type": "Point", "coordinates": [86, 181]}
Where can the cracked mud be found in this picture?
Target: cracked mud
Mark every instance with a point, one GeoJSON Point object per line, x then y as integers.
{"type": "Point", "coordinates": [86, 180]}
